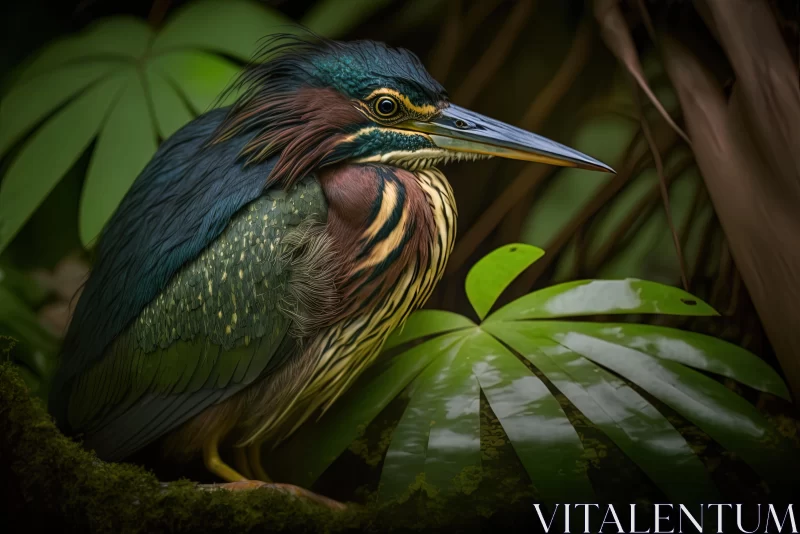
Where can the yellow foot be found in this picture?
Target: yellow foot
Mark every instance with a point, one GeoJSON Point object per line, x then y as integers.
{"type": "Point", "coordinates": [215, 464]}
{"type": "Point", "coordinates": [254, 459]}
{"type": "Point", "coordinates": [296, 491]}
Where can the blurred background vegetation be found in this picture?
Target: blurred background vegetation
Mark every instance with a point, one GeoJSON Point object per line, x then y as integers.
{"type": "Point", "coordinates": [696, 104]}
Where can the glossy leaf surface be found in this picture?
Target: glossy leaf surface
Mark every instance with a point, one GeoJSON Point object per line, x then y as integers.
{"type": "Point", "coordinates": [488, 278]}
{"type": "Point", "coordinates": [689, 348]}
{"type": "Point", "coordinates": [623, 415]}
{"type": "Point", "coordinates": [722, 414]}
{"type": "Point", "coordinates": [544, 439]}
{"type": "Point", "coordinates": [424, 323]}
{"type": "Point", "coordinates": [434, 444]}
{"type": "Point", "coordinates": [592, 297]}
{"type": "Point", "coordinates": [439, 433]}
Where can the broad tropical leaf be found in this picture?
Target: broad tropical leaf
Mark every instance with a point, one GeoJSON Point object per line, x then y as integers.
{"type": "Point", "coordinates": [625, 416]}
{"type": "Point", "coordinates": [492, 274]}
{"type": "Point", "coordinates": [230, 27]}
{"type": "Point", "coordinates": [542, 436]}
{"type": "Point", "coordinates": [118, 38]}
{"type": "Point", "coordinates": [50, 152]}
{"type": "Point", "coordinates": [127, 86]}
{"type": "Point", "coordinates": [689, 348]}
{"type": "Point", "coordinates": [439, 433]}
{"type": "Point", "coordinates": [592, 297]}
{"type": "Point", "coordinates": [198, 76]}
{"type": "Point", "coordinates": [436, 444]}
{"type": "Point", "coordinates": [124, 146]}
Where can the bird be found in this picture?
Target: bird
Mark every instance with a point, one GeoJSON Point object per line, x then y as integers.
{"type": "Point", "coordinates": [259, 261]}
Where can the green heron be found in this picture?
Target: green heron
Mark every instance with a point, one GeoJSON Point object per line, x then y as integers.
{"type": "Point", "coordinates": [265, 253]}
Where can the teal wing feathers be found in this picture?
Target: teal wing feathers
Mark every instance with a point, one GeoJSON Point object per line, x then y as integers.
{"type": "Point", "coordinates": [217, 327]}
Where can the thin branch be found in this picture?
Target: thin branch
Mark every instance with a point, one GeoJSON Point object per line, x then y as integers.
{"type": "Point", "coordinates": [458, 29]}
{"type": "Point", "coordinates": [664, 191]}
{"type": "Point", "coordinates": [699, 199]}
{"type": "Point", "coordinates": [618, 39]}
{"type": "Point", "coordinates": [640, 211]}
{"type": "Point", "coordinates": [493, 58]}
{"type": "Point", "coordinates": [704, 249]}
{"type": "Point", "coordinates": [582, 248]}
{"type": "Point", "coordinates": [446, 48]}
{"type": "Point", "coordinates": [699, 196]}
{"type": "Point", "coordinates": [477, 15]}
{"type": "Point", "coordinates": [722, 282]}
{"type": "Point", "coordinates": [540, 109]}
{"type": "Point", "coordinates": [736, 289]}
{"type": "Point", "coordinates": [570, 68]}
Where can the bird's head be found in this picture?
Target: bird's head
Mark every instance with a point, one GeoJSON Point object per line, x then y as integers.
{"type": "Point", "coordinates": [316, 102]}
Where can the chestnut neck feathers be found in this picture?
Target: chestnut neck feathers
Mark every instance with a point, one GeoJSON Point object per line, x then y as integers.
{"type": "Point", "coordinates": [380, 219]}
{"type": "Point", "coordinates": [302, 127]}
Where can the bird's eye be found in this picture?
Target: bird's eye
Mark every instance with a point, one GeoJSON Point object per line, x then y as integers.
{"type": "Point", "coordinates": [386, 106]}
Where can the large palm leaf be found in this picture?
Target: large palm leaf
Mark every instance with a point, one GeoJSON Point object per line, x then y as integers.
{"type": "Point", "coordinates": [598, 367]}
{"type": "Point", "coordinates": [124, 87]}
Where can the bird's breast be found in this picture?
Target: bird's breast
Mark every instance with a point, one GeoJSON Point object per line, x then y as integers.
{"type": "Point", "coordinates": [393, 231]}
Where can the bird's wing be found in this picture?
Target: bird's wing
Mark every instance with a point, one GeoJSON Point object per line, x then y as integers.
{"type": "Point", "coordinates": [214, 329]}
{"type": "Point", "coordinates": [180, 203]}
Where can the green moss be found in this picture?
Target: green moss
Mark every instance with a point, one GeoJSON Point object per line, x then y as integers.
{"type": "Point", "coordinates": [51, 480]}
{"type": "Point", "coordinates": [372, 453]}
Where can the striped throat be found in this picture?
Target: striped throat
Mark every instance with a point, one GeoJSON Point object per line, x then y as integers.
{"type": "Point", "coordinates": [394, 261]}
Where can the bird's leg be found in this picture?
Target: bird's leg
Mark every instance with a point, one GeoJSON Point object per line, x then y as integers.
{"type": "Point", "coordinates": [215, 464]}
{"type": "Point", "coordinates": [254, 456]}
{"type": "Point", "coordinates": [236, 481]}
{"type": "Point", "coordinates": [242, 463]}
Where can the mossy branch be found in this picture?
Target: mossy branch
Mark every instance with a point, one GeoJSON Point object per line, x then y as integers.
{"type": "Point", "coordinates": [49, 480]}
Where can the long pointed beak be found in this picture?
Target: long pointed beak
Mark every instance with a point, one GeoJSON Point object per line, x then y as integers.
{"type": "Point", "coordinates": [462, 130]}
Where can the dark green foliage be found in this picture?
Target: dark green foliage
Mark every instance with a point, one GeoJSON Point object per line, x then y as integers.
{"type": "Point", "coordinates": [35, 345]}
